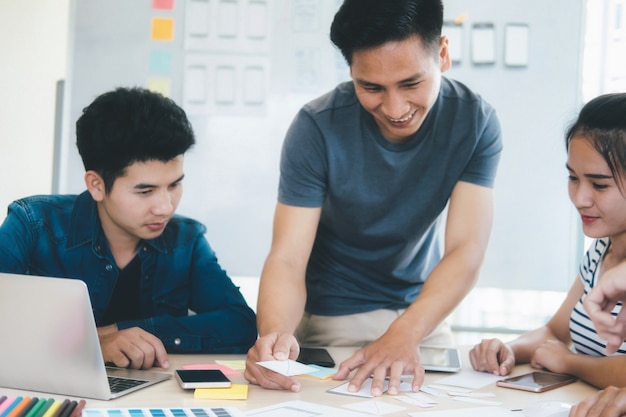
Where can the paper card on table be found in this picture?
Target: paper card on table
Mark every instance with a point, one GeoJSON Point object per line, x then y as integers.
{"type": "Point", "coordinates": [376, 407]}
{"type": "Point", "coordinates": [469, 379]}
{"type": "Point", "coordinates": [432, 391]}
{"type": "Point", "coordinates": [417, 399]}
{"type": "Point", "coordinates": [365, 391]}
{"type": "Point", "coordinates": [234, 392]}
{"type": "Point", "coordinates": [321, 373]}
{"type": "Point", "coordinates": [288, 367]}
{"type": "Point", "coordinates": [301, 408]}
{"type": "Point", "coordinates": [464, 412]}
{"type": "Point", "coordinates": [239, 364]}
{"type": "Point", "coordinates": [226, 370]}
{"type": "Point", "coordinates": [477, 401]}
{"type": "Point", "coordinates": [447, 388]}
{"type": "Point", "coordinates": [471, 394]}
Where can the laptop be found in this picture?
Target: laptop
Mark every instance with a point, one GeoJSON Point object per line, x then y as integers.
{"type": "Point", "coordinates": [50, 341]}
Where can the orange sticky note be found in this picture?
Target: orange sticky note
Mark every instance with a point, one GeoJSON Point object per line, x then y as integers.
{"type": "Point", "coordinates": [162, 29]}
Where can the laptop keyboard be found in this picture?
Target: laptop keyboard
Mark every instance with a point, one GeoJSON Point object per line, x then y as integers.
{"type": "Point", "coordinates": [118, 384]}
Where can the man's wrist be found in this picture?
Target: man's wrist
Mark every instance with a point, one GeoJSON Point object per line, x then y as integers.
{"type": "Point", "coordinates": [105, 330]}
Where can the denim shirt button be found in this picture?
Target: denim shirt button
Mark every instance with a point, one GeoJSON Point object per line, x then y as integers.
{"type": "Point", "coordinates": [177, 341]}
{"type": "Point", "coordinates": [98, 248]}
{"type": "Point", "coordinates": [147, 277]}
{"type": "Point", "coordinates": [145, 249]}
{"type": "Point", "coordinates": [108, 267]}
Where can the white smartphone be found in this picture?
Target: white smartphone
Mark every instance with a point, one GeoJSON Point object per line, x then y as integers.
{"type": "Point", "coordinates": [536, 381]}
{"type": "Point", "coordinates": [201, 378]}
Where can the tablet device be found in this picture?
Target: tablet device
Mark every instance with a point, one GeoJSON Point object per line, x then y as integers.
{"type": "Point", "coordinates": [537, 381]}
{"type": "Point", "coordinates": [440, 359]}
{"type": "Point", "coordinates": [201, 378]}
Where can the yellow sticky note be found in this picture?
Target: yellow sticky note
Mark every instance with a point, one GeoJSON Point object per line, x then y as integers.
{"type": "Point", "coordinates": [239, 365]}
{"type": "Point", "coordinates": [162, 28]}
{"type": "Point", "coordinates": [159, 85]}
{"type": "Point", "coordinates": [235, 392]}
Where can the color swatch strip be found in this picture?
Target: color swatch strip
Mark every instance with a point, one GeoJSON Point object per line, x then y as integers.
{"type": "Point", "coordinates": [162, 412]}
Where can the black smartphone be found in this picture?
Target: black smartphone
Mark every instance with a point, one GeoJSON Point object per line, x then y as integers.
{"type": "Point", "coordinates": [315, 356]}
{"type": "Point", "coordinates": [201, 378]}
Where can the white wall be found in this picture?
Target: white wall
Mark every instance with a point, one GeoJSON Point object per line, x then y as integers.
{"type": "Point", "coordinates": [33, 51]}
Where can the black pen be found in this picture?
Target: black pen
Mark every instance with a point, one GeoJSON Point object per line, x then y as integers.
{"type": "Point", "coordinates": [68, 410]}
{"type": "Point", "coordinates": [78, 409]}
{"type": "Point", "coordinates": [59, 410]}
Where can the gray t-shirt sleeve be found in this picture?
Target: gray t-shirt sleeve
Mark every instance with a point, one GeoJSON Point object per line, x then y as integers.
{"type": "Point", "coordinates": [481, 168]}
{"type": "Point", "coordinates": [303, 164]}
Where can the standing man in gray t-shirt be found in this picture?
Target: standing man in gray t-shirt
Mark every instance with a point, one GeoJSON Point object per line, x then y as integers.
{"type": "Point", "coordinates": [366, 173]}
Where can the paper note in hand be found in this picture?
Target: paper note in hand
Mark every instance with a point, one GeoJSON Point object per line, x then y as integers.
{"type": "Point", "coordinates": [321, 373]}
{"type": "Point", "coordinates": [288, 367]}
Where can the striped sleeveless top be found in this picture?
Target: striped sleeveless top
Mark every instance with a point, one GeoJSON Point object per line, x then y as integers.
{"type": "Point", "coordinates": [582, 330]}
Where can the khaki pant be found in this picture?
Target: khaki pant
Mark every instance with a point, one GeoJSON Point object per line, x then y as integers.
{"type": "Point", "coordinates": [358, 329]}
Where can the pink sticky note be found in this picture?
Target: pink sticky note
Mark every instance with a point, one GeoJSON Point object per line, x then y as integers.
{"type": "Point", "coordinates": [225, 369]}
{"type": "Point", "coordinates": [163, 4]}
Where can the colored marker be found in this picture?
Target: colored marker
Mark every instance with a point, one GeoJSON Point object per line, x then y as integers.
{"type": "Point", "coordinates": [11, 406]}
{"type": "Point", "coordinates": [26, 401]}
{"type": "Point", "coordinates": [35, 408]}
{"type": "Point", "coordinates": [6, 403]}
{"type": "Point", "coordinates": [44, 407]}
{"type": "Point", "coordinates": [32, 403]}
{"type": "Point", "coordinates": [63, 405]}
{"type": "Point", "coordinates": [79, 408]}
{"type": "Point", "coordinates": [52, 409]}
{"type": "Point", "coordinates": [68, 410]}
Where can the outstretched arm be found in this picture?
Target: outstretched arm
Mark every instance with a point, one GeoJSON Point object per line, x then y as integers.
{"type": "Point", "coordinates": [282, 294]}
{"type": "Point", "coordinates": [470, 217]}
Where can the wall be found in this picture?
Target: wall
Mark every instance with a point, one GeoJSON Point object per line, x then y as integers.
{"type": "Point", "coordinates": [33, 46]}
{"type": "Point", "coordinates": [535, 242]}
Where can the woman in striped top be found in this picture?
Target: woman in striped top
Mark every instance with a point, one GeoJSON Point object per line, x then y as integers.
{"type": "Point", "coordinates": [568, 343]}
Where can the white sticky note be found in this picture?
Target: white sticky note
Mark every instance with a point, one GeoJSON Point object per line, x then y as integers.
{"type": "Point", "coordinates": [288, 367]}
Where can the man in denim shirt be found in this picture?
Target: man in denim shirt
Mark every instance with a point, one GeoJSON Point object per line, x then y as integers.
{"type": "Point", "coordinates": [145, 267]}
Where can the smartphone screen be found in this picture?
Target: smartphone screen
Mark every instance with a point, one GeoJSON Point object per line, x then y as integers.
{"type": "Point", "coordinates": [536, 381]}
{"type": "Point", "coordinates": [202, 378]}
{"type": "Point", "coordinates": [315, 356]}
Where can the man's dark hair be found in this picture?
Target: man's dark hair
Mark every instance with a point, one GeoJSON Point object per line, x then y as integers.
{"type": "Point", "coordinates": [363, 24]}
{"type": "Point", "coordinates": [129, 125]}
{"type": "Point", "coordinates": [602, 121]}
